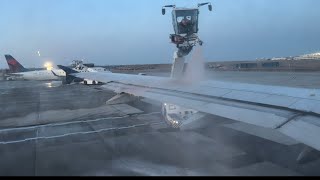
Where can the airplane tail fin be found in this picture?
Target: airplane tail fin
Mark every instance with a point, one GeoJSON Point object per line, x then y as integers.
{"type": "Point", "coordinates": [69, 78]}
{"type": "Point", "coordinates": [14, 65]}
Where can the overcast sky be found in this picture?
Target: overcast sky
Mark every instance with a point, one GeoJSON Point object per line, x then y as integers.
{"type": "Point", "coordinates": [135, 32]}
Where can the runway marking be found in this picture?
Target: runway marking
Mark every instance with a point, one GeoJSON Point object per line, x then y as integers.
{"type": "Point", "coordinates": [77, 133]}
{"type": "Point", "coordinates": [74, 122]}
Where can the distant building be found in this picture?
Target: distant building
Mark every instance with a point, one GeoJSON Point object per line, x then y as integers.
{"type": "Point", "coordinates": [278, 58]}
{"type": "Point", "coordinates": [309, 56]}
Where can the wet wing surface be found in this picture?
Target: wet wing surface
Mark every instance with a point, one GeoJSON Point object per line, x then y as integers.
{"type": "Point", "coordinates": [86, 137]}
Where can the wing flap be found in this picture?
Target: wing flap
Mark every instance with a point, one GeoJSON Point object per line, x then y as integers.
{"type": "Point", "coordinates": [255, 117]}
{"type": "Point", "coordinates": [307, 105]}
{"type": "Point", "coordinates": [305, 129]}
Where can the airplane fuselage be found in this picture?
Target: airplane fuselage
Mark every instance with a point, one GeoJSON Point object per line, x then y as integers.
{"type": "Point", "coordinates": [41, 75]}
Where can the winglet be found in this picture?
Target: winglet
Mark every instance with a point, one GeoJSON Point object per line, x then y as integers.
{"type": "Point", "coordinates": [69, 78]}
{"type": "Point", "coordinates": [67, 69]}
{"type": "Point", "coordinates": [54, 73]}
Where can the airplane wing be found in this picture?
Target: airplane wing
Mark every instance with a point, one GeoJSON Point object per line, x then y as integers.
{"type": "Point", "coordinates": [292, 111]}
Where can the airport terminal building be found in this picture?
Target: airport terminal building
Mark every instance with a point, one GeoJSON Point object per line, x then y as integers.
{"type": "Point", "coordinates": [308, 62]}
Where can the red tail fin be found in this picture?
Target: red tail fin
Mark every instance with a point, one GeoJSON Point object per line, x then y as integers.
{"type": "Point", "coordinates": [14, 65]}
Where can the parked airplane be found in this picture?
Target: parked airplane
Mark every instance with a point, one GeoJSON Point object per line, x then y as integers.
{"type": "Point", "coordinates": [18, 72]}
{"type": "Point", "coordinates": [79, 66]}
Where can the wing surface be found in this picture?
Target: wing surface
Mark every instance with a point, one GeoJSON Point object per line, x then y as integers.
{"type": "Point", "coordinates": [293, 111]}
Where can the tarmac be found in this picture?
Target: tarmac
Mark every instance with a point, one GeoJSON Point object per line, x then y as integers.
{"type": "Point", "coordinates": [50, 129]}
